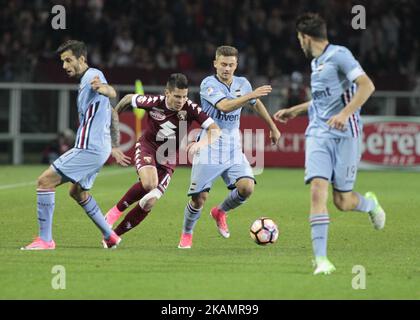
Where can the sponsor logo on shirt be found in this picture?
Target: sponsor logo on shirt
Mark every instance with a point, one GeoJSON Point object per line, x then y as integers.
{"type": "Point", "coordinates": [227, 117]}
{"type": "Point", "coordinates": [159, 116]}
{"type": "Point", "coordinates": [320, 94]}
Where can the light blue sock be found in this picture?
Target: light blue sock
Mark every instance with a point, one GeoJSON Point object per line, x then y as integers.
{"type": "Point", "coordinates": [191, 216]}
{"type": "Point", "coordinates": [365, 205]}
{"type": "Point", "coordinates": [45, 210]}
{"type": "Point", "coordinates": [232, 201]}
{"type": "Point", "coordinates": [319, 232]}
{"type": "Point", "coordinates": [94, 212]}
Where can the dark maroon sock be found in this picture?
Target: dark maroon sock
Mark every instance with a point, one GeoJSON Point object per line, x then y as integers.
{"type": "Point", "coordinates": [135, 193]}
{"type": "Point", "coordinates": [132, 219]}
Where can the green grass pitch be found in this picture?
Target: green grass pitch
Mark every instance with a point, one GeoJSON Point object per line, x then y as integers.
{"type": "Point", "coordinates": [148, 264]}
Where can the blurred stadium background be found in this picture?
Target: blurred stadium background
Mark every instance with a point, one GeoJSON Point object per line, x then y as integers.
{"type": "Point", "coordinates": [148, 40]}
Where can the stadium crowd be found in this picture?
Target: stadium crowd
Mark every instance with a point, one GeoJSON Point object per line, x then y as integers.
{"type": "Point", "coordinates": [182, 35]}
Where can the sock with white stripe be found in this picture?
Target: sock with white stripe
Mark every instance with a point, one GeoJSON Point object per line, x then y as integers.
{"type": "Point", "coordinates": [232, 201]}
{"type": "Point", "coordinates": [319, 233]}
{"type": "Point", "coordinates": [191, 216]}
{"type": "Point", "coordinates": [95, 214]}
{"type": "Point", "coordinates": [45, 210]}
{"type": "Point", "coordinates": [364, 205]}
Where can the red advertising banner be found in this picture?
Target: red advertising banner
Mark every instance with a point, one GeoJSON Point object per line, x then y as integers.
{"type": "Point", "coordinates": [391, 142]}
{"type": "Point", "coordinates": [388, 142]}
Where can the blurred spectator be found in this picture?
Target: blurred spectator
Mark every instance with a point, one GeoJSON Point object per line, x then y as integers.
{"type": "Point", "coordinates": [297, 92]}
{"type": "Point", "coordinates": [162, 35]}
{"type": "Point", "coordinates": [64, 142]}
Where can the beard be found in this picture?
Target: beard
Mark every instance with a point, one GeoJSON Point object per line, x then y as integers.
{"type": "Point", "coordinates": [308, 53]}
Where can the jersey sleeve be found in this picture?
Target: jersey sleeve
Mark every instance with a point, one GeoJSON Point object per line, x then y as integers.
{"type": "Point", "coordinates": [348, 65]}
{"type": "Point", "coordinates": [145, 101]}
{"type": "Point", "coordinates": [92, 73]}
{"type": "Point", "coordinates": [211, 92]}
{"type": "Point", "coordinates": [197, 114]}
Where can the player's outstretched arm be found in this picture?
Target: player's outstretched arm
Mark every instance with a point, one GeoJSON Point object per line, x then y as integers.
{"type": "Point", "coordinates": [263, 113]}
{"type": "Point", "coordinates": [103, 88]}
{"type": "Point", "coordinates": [124, 103]}
{"type": "Point", "coordinates": [116, 152]}
{"type": "Point", "coordinates": [284, 115]}
{"type": "Point", "coordinates": [213, 133]}
{"type": "Point", "coordinates": [229, 105]}
{"type": "Point", "coordinates": [365, 88]}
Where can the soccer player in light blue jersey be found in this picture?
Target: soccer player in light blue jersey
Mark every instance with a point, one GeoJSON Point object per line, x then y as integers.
{"type": "Point", "coordinates": [223, 95]}
{"type": "Point", "coordinates": [339, 87]}
{"type": "Point", "coordinates": [97, 138]}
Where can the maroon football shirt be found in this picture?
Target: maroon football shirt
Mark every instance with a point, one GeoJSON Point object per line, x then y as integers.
{"type": "Point", "coordinates": [164, 124]}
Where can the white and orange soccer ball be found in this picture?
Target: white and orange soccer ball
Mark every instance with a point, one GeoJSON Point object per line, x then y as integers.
{"type": "Point", "coordinates": [264, 231]}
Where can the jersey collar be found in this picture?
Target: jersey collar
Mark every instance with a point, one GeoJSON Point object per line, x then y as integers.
{"type": "Point", "coordinates": [233, 79]}
{"type": "Point", "coordinates": [323, 52]}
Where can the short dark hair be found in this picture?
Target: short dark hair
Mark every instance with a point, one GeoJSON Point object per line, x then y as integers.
{"type": "Point", "coordinates": [78, 48]}
{"type": "Point", "coordinates": [177, 80]}
{"type": "Point", "coordinates": [227, 51]}
{"type": "Point", "coordinates": [312, 24]}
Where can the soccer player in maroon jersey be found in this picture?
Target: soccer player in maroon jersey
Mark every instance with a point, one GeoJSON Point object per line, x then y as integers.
{"type": "Point", "coordinates": [166, 115]}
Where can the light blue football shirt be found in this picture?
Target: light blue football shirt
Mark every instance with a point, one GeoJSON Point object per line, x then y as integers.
{"type": "Point", "coordinates": [332, 86]}
{"type": "Point", "coordinates": [212, 91]}
{"type": "Point", "coordinates": [94, 115]}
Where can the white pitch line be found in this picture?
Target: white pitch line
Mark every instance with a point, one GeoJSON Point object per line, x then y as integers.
{"type": "Point", "coordinates": [32, 183]}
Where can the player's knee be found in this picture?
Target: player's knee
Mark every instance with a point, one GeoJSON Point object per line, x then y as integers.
{"type": "Point", "coordinates": [318, 195]}
{"type": "Point", "coordinates": [43, 182]}
{"type": "Point", "coordinates": [198, 201]}
{"type": "Point", "coordinates": [149, 185]}
{"type": "Point", "coordinates": [246, 191]}
{"type": "Point", "coordinates": [77, 194]}
{"type": "Point", "coordinates": [341, 203]}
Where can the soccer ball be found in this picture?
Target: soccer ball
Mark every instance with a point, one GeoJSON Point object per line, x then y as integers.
{"type": "Point", "coordinates": [264, 231]}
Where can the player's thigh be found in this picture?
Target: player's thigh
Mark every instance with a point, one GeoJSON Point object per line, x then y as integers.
{"type": "Point", "coordinates": [347, 155]}
{"type": "Point", "coordinates": [237, 171]}
{"type": "Point", "coordinates": [148, 176]}
{"type": "Point", "coordinates": [319, 159]}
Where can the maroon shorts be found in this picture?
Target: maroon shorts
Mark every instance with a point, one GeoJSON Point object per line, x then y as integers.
{"type": "Point", "coordinates": [145, 156]}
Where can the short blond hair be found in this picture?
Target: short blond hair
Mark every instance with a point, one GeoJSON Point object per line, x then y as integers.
{"type": "Point", "coordinates": [227, 51]}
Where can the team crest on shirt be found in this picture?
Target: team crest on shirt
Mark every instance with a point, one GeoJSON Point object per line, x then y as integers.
{"type": "Point", "coordinates": [238, 93]}
{"type": "Point", "coordinates": [209, 90]}
{"type": "Point", "coordinates": [159, 116]}
{"type": "Point", "coordinates": [182, 115]}
{"type": "Point", "coordinates": [147, 159]}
